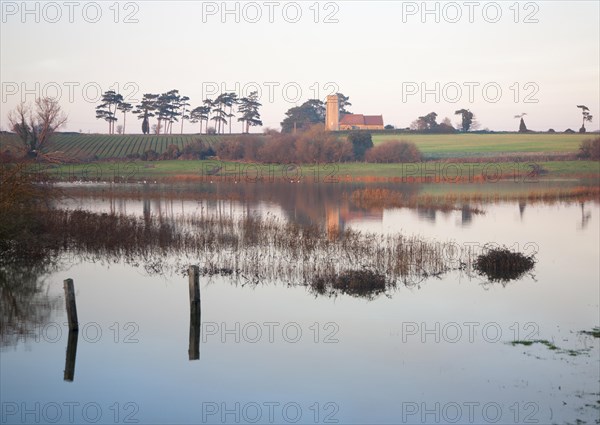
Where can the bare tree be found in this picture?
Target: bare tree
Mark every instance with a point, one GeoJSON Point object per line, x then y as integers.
{"type": "Point", "coordinates": [36, 124]}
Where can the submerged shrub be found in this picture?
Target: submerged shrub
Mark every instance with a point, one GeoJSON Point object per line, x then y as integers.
{"type": "Point", "coordinates": [361, 283]}
{"type": "Point", "coordinates": [503, 265]}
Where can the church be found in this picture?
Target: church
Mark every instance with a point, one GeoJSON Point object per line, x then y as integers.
{"type": "Point", "coordinates": [334, 122]}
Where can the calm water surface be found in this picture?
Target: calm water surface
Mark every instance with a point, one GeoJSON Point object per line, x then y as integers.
{"type": "Point", "coordinates": [437, 352]}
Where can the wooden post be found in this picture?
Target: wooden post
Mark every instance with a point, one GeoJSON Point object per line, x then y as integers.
{"type": "Point", "coordinates": [71, 307]}
{"type": "Point", "coordinates": [194, 346]}
{"type": "Point", "coordinates": [194, 342]}
{"type": "Point", "coordinates": [71, 355]}
{"type": "Point", "coordinates": [194, 276]}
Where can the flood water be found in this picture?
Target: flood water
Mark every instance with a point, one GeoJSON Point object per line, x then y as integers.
{"type": "Point", "coordinates": [438, 351]}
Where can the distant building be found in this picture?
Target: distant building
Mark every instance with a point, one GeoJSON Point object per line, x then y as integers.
{"type": "Point", "coordinates": [349, 121]}
{"type": "Point", "coordinates": [361, 122]}
{"type": "Point", "coordinates": [332, 113]}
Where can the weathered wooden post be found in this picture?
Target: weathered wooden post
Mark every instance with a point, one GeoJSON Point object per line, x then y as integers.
{"type": "Point", "coordinates": [71, 306]}
{"type": "Point", "coordinates": [71, 355]}
{"type": "Point", "coordinates": [194, 276]}
{"type": "Point", "coordinates": [194, 346]}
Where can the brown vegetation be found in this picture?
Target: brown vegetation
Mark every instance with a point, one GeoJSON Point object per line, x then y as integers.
{"type": "Point", "coordinates": [590, 149]}
{"type": "Point", "coordinates": [394, 151]}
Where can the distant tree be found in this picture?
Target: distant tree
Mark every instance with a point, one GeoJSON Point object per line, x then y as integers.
{"type": "Point", "coordinates": [199, 114]}
{"type": "Point", "coordinates": [248, 107]}
{"type": "Point", "coordinates": [36, 124]}
{"type": "Point", "coordinates": [108, 108]}
{"type": "Point", "coordinates": [124, 107]}
{"type": "Point", "coordinates": [467, 119]}
{"type": "Point", "coordinates": [585, 111]}
{"type": "Point", "coordinates": [389, 127]}
{"type": "Point", "coordinates": [343, 102]}
{"type": "Point", "coordinates": [119, 129]}
{"type": "Point", "coordinates": [209, 104]}
{"type": "Point", "coordinates": [361, 143]}
{"type": "Point", "coordinates": [167, 110]}
{"type": "Point", "coordinates": [145, 110]}
{"type": "Point", "coordinates": [522, 126]}
{"type": "Point", "coordinates": [183, 108]}
{"type": "Point", "coordinates": [220, 112]}
{"type": "Point", "coordinates": [304, 116]}
{"type": "Point", "coordinates": [229, 100]}
{"type": "Point", "coordinates": [428, 122]}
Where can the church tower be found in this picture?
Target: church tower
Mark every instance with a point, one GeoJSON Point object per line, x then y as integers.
{"type": "Point", "coordinates": [332, 113]}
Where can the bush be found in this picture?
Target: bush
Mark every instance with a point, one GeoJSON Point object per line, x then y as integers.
{"type": "Point", "coordinates": [394, 151]}
{"type": "Point", "coordinates": [590, 149]}
{"type": "Point", "coordinates": [278, 148]}
{"type": "Point", "coordinates": [361, 143]}
{"type": "Point", "coordinates": [150, 155]}
{"type": "Point", "coordinates": [316, 145]}
{"type": "Point", "coordinates": [172, 152]}
{"type": "Point", "coordinates": [197, 150]}
{"type": "Point", "coordinates": [240, 147]}
{"type": "Point", "coordinates": [231, 149]}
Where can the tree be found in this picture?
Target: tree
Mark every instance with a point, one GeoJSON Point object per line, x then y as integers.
{"type": "Point", "coordinates": [361, 143]}
{"type": "Point", "coordinates": [343, 101]}
{"type": "Point", "coordinates": [248, 107]}
{"type": "Point", "coordinates": [182, 106]}
{"type": "Point", "coordinates": [585, 111]}
{"type": "Point", "coordinates": [208, 104]}
{"type": "Point", "coordinates": [36, 124]}
{"type": "Point", "coordinates": [167, 108]}
{"type": "Point", "coordinates": [467, 119]}
{"type": "Point", "coordinates": [219, 105]}
{"type": "Point", "coordinates": [428, 122]}
{"type": "Point", "coordinates": [304, 116]}
{"type": "Point", "coordinates": [108, 108]}
{"type": "Point", "coordinates": [145, 110]}
{"type": "Point", "coordinates": [124, 107]}
{"type": "Point", "coordinates": [120, 129]}
{"type": "Point", "coordinates": [522, 126]}
{"type": "Point", "coordinates": [199, 114]}
{"type": "Point", "coordinates": [229, 99]}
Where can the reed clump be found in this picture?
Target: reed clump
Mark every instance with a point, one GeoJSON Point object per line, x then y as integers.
{"type": "Point", "coordinates": [503, 265]}
{"type": "Point", "coordinates": [359, 283]}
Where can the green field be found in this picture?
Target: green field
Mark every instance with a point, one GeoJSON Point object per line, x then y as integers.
{"type": "Point", "coordinates": [438, 146]}
{"type": "Point", "coordinates": [236, 171]}
{"type": "Point", "coordinates": [84, 147]}
{"type": "Point", "coordinates": [98, 146]}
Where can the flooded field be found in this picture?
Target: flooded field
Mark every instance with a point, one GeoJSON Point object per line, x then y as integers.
{"type": "Point", "coordinates": [286, 330]}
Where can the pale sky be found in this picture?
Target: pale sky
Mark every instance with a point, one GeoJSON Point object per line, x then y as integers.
{"type": "Point", "coordinates": [382, 54]}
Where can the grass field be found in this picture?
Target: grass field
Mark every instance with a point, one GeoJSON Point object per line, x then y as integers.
{"type": "Point", "coordinates": [83, 147]}
{"type": "Point", "coordinates": [182, 171]}
{"type": "Point", "coordinates": [439, 146]}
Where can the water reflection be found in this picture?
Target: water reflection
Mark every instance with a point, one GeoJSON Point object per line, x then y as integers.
{"type": "Point", "coordinates": [69, 374]}
{"type": "Point", "coordinates": [26, 303]}
{"type": "Point", "coordinates": [333, 205]}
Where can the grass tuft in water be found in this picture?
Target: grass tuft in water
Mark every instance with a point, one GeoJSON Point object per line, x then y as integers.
{"type": "Point", "coordinates": [503, 265]}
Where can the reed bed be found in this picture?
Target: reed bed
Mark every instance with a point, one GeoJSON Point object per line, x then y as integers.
{"type": "Point", "coordinates": [251, 249]}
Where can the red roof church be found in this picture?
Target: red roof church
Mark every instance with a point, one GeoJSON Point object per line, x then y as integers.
{"type": "Point", "coordinates": [361, 122]}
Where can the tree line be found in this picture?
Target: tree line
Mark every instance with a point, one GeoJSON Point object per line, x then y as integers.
{"type": "Point", "coordinates": [171, 107]}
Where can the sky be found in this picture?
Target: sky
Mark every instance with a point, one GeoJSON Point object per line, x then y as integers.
{"type": "Point", "coordinates": [395, 58]}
